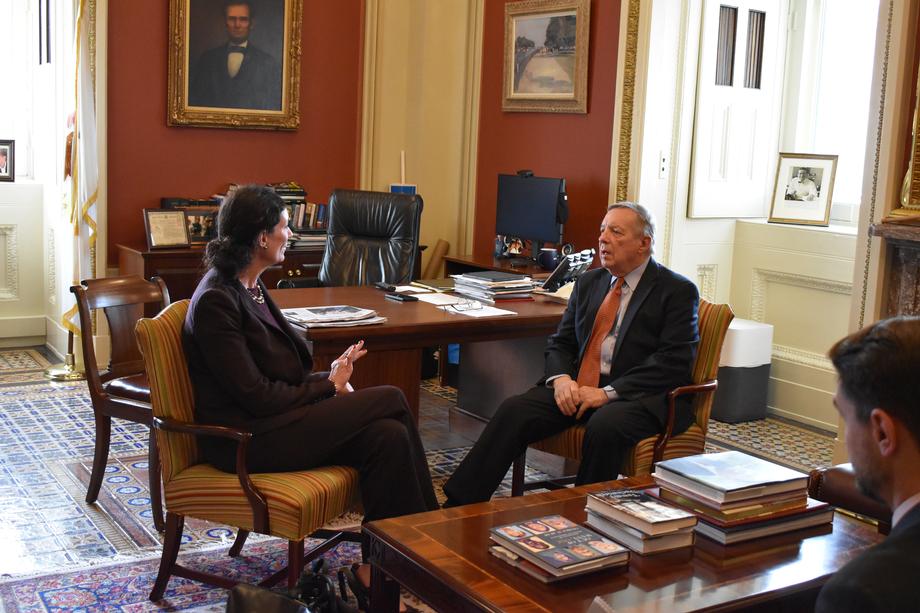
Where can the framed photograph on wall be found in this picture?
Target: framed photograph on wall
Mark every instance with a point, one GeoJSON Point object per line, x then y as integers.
{"type": "Point", "coordinates": [803, 189]}
{"type": "Point", "coordinates": [165, 228]}
{"type": "Point", "coordinates": [7, 160]}
{"type": "Point", "coordinates": [546, 56]}
{"type": "Point", "coordinates": [234, 64]}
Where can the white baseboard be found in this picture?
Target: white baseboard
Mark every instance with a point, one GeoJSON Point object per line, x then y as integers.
{"type": "Point", "coordinates": [807, 421]}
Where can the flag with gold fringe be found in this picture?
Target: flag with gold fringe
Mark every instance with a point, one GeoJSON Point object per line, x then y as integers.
{"type": "Point", "coordinates": [84, 166]}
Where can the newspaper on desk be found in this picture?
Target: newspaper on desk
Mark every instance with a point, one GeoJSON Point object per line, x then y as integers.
{"type": "Point", "coordinates": [335, 316]}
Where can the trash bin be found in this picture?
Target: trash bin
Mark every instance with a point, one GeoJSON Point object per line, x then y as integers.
{"type": "Point", "coordinates": [744, 372]}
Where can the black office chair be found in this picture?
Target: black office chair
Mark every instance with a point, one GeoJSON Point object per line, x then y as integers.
{"type": "Point", "coordinates": [372, 236]}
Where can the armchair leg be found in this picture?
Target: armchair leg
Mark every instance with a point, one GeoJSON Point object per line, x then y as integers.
{"type": "Point", "coordinates": [174, 525]}
{"type": "Point", "coordinates": [100, 456]}
{"type": "Point", "coordinates": [295, 563]}
{"type": "Point", "coordinates": [153, 474]}
{"type": "Point", "coordinates": [517, 475]}
{"type": "Point", "coordinates": [238, 543]}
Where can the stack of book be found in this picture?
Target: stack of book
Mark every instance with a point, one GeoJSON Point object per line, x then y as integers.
{"type": "Point", "coordinates": [552, 547]}
{"type": "Point", "coordinates": [303, 215]}
{"type": "Point", "coordinates": [640, 521]}
{"type": "Point", "coordinates": [738, 497]}
{"type": "Point", "coordinates": [302, 239]}
{"type": "Point", "coordinates": [332, 316]}
{"type": "Point", "coordinates": [491, 286]}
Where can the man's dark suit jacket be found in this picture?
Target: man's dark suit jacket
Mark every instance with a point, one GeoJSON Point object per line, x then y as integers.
{"type": "Point", "coordinates": [247, 370]}
{"type": "Point", "coordinates": [884, 578]}
{"type": "Point", "coordinates": [256, 86]}
{"type": "Point", "coordinates": [656, 343]}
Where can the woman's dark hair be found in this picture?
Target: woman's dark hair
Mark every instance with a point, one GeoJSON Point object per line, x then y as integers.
{"type": "Point", "coordinates": [250, 210]}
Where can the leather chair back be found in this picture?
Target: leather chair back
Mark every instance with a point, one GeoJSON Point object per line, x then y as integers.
{"type": "Point", "coordinates": [372, 236]}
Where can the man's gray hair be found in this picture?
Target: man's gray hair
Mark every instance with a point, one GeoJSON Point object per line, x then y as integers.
{"type": "Point", "coordinates": [645, 217]}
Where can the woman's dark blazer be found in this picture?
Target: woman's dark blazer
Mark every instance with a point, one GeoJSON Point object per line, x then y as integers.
{"type": "Point", "coordinates": [248, 371]}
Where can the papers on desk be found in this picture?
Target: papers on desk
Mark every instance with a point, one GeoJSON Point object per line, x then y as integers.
{"type": "Point", "coordinates": [332, 316]}
{"type": "Point", "coordinates": [439, 299]}
{"type": "Point", "coordinates": [484, 311]}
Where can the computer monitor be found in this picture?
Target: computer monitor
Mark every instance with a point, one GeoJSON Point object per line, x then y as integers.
{"type": "Point", "coordinates": [528, 207]}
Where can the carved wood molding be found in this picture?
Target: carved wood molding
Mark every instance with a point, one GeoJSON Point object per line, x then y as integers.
{"type": "Point", "coordinates": [9, 239]}
{"type": "Point", "coordinates": [626, 104]}
{"type": "Point", "coordinates": [706, 275]}
{"type": "Point", "coordinates": [758, 310]}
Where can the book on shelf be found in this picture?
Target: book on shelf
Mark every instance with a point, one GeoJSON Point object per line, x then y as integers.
{"type": "Point", "coordinates": [559, 546]}
{"type": "Point", "coordinates": [636, 540]}
{"type": "Point", "coordinates": [752, 511]}
{"type": "Point", "coordinates": [332, 316]}
{"type": "Point", "coordinates": [728, 476]}
{"type": "Point", "coordinates": [638, 509]}
{"type": "Point", "coordinates": [435, 285]}
{"type": "Point", "coordinates": [815, 514]}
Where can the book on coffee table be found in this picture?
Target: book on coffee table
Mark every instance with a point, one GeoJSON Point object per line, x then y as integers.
{"type": "Point", "coordinates": [815, 514]}
{"type": "Point", "coordinates": [636, 540]}
{"type": "Point", "coordinates": [728, 476]}
{"type": "Point", "coordinates": [559, 546]}
{"type": "Point", "coordinates": [637, 509]}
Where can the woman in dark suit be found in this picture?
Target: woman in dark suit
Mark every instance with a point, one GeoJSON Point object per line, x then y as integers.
{"type": "Point", "coordinates": [251, 370]}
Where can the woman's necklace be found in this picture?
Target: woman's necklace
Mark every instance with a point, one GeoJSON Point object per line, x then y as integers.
{"type": "Point", "coordinates": [256, 294]}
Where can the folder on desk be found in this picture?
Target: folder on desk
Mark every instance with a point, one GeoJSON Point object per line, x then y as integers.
{"type": "Point", "coordinates": [435, 285]}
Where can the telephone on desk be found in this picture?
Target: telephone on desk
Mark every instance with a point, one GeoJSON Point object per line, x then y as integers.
{"type": "Point", "coordinates": [559, 285]}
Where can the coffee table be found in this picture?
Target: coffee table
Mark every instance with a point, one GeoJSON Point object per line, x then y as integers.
{"type": "Point", "coordinates": [442, 556]}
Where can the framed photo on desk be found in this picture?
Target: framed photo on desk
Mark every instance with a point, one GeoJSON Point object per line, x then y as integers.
{"type": "Point", "coordinates": [166, 229]}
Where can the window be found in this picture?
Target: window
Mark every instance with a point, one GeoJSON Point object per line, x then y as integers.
{"type": "Point", "coordinates": [828, 81]}
{"type": "Point", "coordinates": [802, 86]}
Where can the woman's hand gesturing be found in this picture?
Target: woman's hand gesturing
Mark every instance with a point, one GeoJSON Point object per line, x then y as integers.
{"type": "Point", "coordinates": [343, 366]}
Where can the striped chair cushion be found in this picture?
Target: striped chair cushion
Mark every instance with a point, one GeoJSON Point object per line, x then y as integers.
{"type": "Point", "coordinates": [298, 502]}
{"type": "Point", "coordinates": [160, 340]}
{"type": "Point", "coordinates": [639, 462]}
{"type": "Point", "coordinates": [713, 324]}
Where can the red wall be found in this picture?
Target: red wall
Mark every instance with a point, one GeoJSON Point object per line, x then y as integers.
{"type": "Point", "coordinates": [148, 160]}
{"type": "Point", "coordinates": [576, 147]}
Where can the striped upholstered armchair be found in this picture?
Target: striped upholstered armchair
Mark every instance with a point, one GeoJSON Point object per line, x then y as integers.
{"type": "Point", "coordinates": [713, 323]}
{"type": "Point", "coordinates": [289, 505]}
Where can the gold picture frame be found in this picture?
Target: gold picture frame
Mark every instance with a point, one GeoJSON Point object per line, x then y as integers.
{"type": "Point", "coordinates": [264, 92]}
{"type": "Point", "coordinates": [803, 190]}
{"type": "Point", "coordinates": [548, 75]}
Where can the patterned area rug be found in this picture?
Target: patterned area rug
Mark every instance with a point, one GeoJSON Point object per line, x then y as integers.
{"type": "Point", "coordinates": [126, 586]}
{"type": "Point", "coordinates": [776, 440]}
{"type": "Point", "coordinates": [19, 366]}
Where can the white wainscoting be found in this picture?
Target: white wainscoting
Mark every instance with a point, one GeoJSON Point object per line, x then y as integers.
{"type": "Point", "coordinates": [798, 279]}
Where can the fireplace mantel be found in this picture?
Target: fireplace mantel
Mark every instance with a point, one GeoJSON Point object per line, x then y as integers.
{"type": "Point", "coordinates": [902, 270]}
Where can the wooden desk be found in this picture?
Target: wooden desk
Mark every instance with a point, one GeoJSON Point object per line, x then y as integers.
{"type": "Point", "coordinates": [459, 264]}
{"type": "Point", "coordinates": [395, 348]}
{"type": "Point", "coordinates": [442, 556]}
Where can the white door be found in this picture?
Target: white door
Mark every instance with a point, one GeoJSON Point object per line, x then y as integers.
{"type": "Point", "coordinates": [737, 107]}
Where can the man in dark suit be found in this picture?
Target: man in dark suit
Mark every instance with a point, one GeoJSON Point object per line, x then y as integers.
{"type": "Point", "coordinates": [236, 74]}
{"type": "Point", "coordinates": [877, 392]}
{"type": "Point", "coordinates": [628, 336]}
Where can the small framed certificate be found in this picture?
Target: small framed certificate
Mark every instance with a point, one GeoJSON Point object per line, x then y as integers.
{"type": "Point", "coordinates": [165, 228]}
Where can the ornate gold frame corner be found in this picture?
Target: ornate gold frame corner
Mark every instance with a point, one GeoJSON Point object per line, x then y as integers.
{"type": "Point", "coordinates": [179, 113]}
{"type": "Point", "coordinates": [578, 101]}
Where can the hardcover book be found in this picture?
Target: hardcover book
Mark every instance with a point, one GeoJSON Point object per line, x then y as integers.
{"type": "Point", "coordinates": [560, 546]}
{"type": "Point", "coordinates": [637, 509]}
{"type": "Point", "coordinates": [736, 516]}
{"type": "Point", "coordinates": [638, 541]}
{"type": "Point", "coordinates": [815, 514]}
{"type": "Point", "coordinates": [729, 476]}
